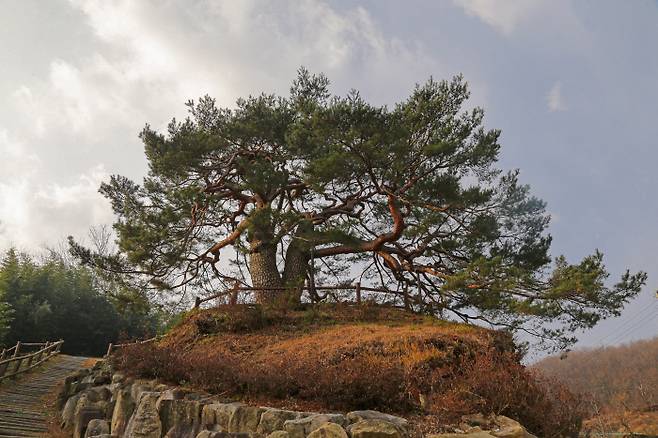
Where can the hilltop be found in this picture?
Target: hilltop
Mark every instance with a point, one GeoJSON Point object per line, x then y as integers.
{"type": "Point", "coordinates": [343, 357]}
{"type": "Point", "coordinates": [622, 382]}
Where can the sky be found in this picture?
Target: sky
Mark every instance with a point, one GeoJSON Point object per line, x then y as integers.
{"type": "Point", "coordinates": [573, 85]}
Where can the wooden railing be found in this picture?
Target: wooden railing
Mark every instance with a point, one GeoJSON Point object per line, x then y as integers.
{"type": "Point", "coordinates": [112, 347]}
{"type": "Point", "coordinates": [232, 293]}
{"type": "Point", "coordinates": [13, 362]}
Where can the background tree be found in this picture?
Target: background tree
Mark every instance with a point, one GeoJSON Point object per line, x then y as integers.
{"type": "Point", "coordinates": [408, 197]}
{"type": "Point", "coordinates": [51, 299]}
{"type": "Point", "coordinates": [618, 378]}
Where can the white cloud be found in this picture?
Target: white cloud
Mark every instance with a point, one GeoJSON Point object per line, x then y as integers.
{"type": "Point", "coordinates": [555, 99]}
{"type": "Point", "coordinates": [505, 16]}
{"type": "Point", "coordinates": [229, 49]}
{"type": "Point", "coordinates": [147, 58]}
{"type": "Point", "coordinates": [33, 212]}
{"type": "Point", "coordinates": [36, 210]}
{"type": "Point", "coordinates": [152, 57]}
{"type": "Point", "coordinates": [17, 162]}
{"type": "Point", "coordinates": [547, 23]}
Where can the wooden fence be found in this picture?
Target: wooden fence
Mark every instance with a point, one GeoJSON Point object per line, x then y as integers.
{"type": "Point", "coordinates": [112, 347]}
{"type": "Point", "coordinates": [13, 362]}
{"type": "Point", "coordinates": [358, 289]}
{"type": "Point", "coordinates": [233, 293]}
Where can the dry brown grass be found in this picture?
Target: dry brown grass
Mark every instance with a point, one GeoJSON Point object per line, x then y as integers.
{"type": "Point", "coordinates": [345, 358]}
{"type": "Point", "coordinates": [90, 362]}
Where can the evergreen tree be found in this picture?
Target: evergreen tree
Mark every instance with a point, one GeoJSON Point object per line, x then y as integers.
{"type": "Point", "coordinates": [8, 271]}
{"type": "Point", "coordinates": [409, 196]}
{"type": "Point", "coordinates": [52, 300]}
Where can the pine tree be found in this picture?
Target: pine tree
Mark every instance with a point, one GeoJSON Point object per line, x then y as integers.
{"type": "Point", "coordinates": [408, 197]}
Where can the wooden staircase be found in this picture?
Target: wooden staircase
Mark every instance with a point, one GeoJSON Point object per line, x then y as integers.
{"type": "Point", "coordinates": [23, 408]}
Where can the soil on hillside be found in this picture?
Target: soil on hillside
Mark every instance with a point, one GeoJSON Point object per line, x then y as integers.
{"type": "Point", "coordinates": [346, 357]}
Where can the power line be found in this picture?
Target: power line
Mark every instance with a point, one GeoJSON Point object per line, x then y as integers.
{"type": "Point", "coordinates": [630, 321]}
{"type": "Point", "coordinates": [637, 323]}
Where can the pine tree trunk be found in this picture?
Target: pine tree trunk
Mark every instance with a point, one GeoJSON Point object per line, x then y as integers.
{"type": "Point", "coordinates": [264, 273]}
{"type": "Point", "coordinates": [295, 270]}
{"type": "Point", "coordinates": [262, 258]}
{"type": "Point", "coordinates": [296, 267]}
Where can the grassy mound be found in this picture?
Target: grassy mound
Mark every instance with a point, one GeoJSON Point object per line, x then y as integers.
{"type": "Point", "coordinates": [355, 357]}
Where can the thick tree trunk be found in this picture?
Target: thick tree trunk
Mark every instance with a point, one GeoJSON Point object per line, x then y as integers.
{"type": "Point", "coordinates": [264, 273]}
{"type": "Point", "coordinates": [295, 270]}
{"type": "Point", "coordinates": [262, 257]}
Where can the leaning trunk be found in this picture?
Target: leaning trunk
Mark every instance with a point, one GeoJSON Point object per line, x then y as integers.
{"type": "Point", "coordinates": [296, 266]}
{"type": "Point", "coordinates": [295, 270]}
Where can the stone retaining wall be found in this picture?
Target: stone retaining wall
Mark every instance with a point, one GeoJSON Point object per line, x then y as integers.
{"type": "Point", "coordinates": [99, 403]}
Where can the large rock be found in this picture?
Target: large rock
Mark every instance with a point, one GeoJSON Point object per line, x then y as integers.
{"type": "Point", "coordinates": [328, 430]}
{"type": "Point", "coordinates": [97, 427]}
{"type": "Point", "coordinates": [182, 415]}
{"type": "Point", "coordinates": [99, 393]}
{"type": "Point", "coordinates": [180, 432]}
{"type": "Point", "coordinates": [302, 427]}
{"type": "Point", "coordinates": [118, 378]}
{"type": "Point", "coordinates": [272, 420]}
{"type": "Point", "coordinates": [231, 417]}
{"type": "Point", "coordinates": [508, 428]}
{"type": "Point", "coordinates": [356, 416]}
{"type": "Point", "coordinates": [145, 422]}
{"type": "Point", "coordinates": [244, 419]}
{"type": "Point", "coordinates": [279, 434]}
{"type": "Point", "coordinates": [137, 388]}
{"type": "Point", "coordinates": [83, 417]}
{"type": "Point", "coordinates": [87, 408]}
{"type": "Point", "coordinates": [478, 420]}
{"type": "Point", "coordinates": [68, 412]}
{"type": "Point", "coordinates": [98, 378]}
{"type": "Point", "coordinates": [211, 434]}
{"type": "Point", "coordinates": [215, 416]}
{"type": "Point", "coordinates": [479, 434]}
{"type": "Point", "coordinates": [375, 429]}
{"type": "Point", "coordinates": [124, 407]}
{"type": "Point", "coordinates": [72, 386]}
{"type": "Point", "coordinates": [174, 394]}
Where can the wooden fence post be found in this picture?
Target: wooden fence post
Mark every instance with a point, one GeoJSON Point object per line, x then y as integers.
{"type": "Point", "coordinates": [197, 302]}
{"type": "Point", "coordinates": [3, 367]}
{"type": "Point", "coordinates": [109, 349]}
{"type": "Point", "coordinates": [18, 347]}
{"type": "Point", "coordinates": [18, 366]}
{"type": "Point", "coordinates": [16, 352]}
{"type": "Point", "coordinates": [358, 293]}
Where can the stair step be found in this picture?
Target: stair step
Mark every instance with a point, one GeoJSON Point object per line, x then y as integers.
{"type": "Point", "coordinates": [22, 407]}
